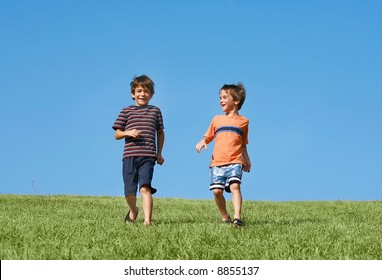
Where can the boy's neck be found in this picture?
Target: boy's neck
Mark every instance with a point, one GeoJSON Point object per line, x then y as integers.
{"type": "Point", "coordinates": [233, 113]}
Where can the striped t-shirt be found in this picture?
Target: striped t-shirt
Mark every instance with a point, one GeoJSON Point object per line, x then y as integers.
{"type": "Point", "coordinates": [147, 119]}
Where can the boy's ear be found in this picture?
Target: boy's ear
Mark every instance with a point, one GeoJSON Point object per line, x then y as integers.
{"type": "Point", "coordinates": [132, 95]}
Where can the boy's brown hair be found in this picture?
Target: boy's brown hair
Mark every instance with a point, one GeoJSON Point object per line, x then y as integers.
{"type": "Point", "coordinates": [237, 92]}
{"type": "Point", "coordinates": [143, 81]}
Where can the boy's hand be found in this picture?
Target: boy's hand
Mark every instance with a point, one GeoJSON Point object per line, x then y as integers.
{"type": "Point", "coordinates": [247, 167]}
{"type": "Point", "coordinates": [202, 144]}
{"type": "Point", "coordinates": [247, 161]}
{"type": "Point", "coordinates": [133, 133]}
{"type": "Point", "coordinates": [160, 159]}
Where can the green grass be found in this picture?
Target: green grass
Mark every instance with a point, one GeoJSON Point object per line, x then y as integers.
{"type": "Point", "coordinates": [78, 227]}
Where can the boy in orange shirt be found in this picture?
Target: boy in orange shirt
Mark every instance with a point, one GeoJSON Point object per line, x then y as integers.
{"type": "Point", "coordinates": [230, 156]}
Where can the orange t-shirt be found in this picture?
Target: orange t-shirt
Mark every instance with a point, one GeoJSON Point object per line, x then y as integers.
{"type": "Point", "coordinates": [231, 134]}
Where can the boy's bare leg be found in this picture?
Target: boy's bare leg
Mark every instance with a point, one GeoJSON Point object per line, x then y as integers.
{"type": "Point", "coordinates": [132, 203]}
{"type": "Point", "coordinates": [236, 200]}
{"type": "Point", "coordinates": [147, 201]}
{"type": "Point", "coordinates": [221, 204]}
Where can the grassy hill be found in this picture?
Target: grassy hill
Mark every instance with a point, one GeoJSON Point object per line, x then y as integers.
{"type": "Point", "coordinates": [79, 227]}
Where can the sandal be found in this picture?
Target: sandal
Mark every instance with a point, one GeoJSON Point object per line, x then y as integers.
{"type": "Point", "coordinates": [238, 222]}
{"type": "Point", "coordinates": [128, 219]}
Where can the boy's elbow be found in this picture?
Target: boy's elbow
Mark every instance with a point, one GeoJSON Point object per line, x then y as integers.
{"type": "Point", "coordinates": [117, 135]}
{"type": "Point", "coordinates": [160, 132]}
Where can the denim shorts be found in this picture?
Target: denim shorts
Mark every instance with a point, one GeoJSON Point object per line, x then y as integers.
{"type": "Point", "coordinates": [137, 170]}
{"type": "Point", "coordinates": [223, 176]}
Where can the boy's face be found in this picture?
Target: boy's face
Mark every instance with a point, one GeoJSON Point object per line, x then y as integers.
{"type": "Point", "coordinates": [141, 96]}
{"type": "Point", "coordinates": [227, 103]}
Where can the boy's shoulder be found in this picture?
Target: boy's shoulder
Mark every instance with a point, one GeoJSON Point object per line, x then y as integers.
{"type": "Point", "coordinates": [131, 108]}
{"type": "Point", "coordinates": [243, 118]}
{"type": "Point", "coordinates": [239, 118]}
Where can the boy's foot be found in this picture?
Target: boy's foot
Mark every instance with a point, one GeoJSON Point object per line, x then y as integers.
{"type": "Point", "coordinates": [238, 222]}
{"type": "Point", "coordinates": [130, 220]}
{"type": "Point", "coordinates": [228, 221]}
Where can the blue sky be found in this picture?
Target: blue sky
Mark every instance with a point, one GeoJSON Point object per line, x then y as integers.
{"type": "Point", "coordinates": [312, 70]}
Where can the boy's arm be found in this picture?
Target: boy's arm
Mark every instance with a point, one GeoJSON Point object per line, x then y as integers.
{"type": "Point", "coordinates": [121, 134]}
{"type": "Point", "coordinates": [160, 143]}
{"type": "Point", "coordinates": [208, 137]}
{"type": "Point", "coordinates": [247, 160]}
{"type": "Point", "coordinates": [202, 144]}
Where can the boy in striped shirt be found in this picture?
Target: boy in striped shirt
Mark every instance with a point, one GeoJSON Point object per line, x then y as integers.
{"type": "Point", "coordinates": [230, 156]}
{"type": "Point", "coordinates": [141, 125]}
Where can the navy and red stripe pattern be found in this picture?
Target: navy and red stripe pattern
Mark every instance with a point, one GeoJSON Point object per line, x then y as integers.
{"type": "Point", "coordinates": [147, 119]}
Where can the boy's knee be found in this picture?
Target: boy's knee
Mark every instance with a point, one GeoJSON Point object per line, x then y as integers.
{"type": "Point", "coordinates": [234, 187]}
{"type": "Point", "coordinates": [145, 189]}
{"type": "Point", "coordinates": [218, 192]}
